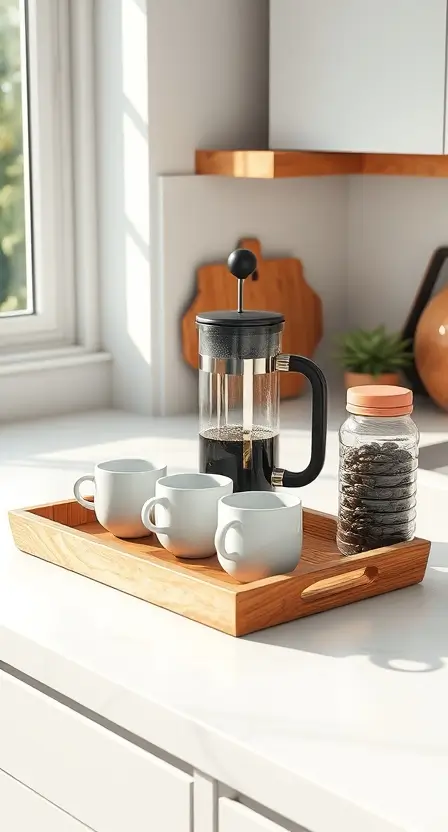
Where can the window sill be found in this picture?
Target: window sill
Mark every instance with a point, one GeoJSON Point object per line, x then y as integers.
{"type": "Point", "coordinates": [53, 382]}
{"type": "Point", "coordinates": [26, 362]}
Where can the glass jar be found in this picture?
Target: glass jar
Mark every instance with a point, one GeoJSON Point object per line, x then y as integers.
{"type": "Point", "coordinates": [378, 459]}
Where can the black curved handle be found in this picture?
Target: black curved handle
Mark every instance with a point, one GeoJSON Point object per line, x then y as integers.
{"type": "Point", "coordinates": [300, 364]}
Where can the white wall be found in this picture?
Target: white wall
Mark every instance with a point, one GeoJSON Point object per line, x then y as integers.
{"type": "Point", "coordinates": [172, 76]}
{"type": "Point", "coordinates": [123, 191]}
{"type": "Point", "coordinates": [208, 78]}
{"type": "Point", "coordinates": [395, 223]}
{"type": "Point", "coordinates": [208, 65]}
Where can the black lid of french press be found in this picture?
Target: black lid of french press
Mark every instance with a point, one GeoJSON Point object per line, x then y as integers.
{"type": "Point", "coordinates": [242, 263]}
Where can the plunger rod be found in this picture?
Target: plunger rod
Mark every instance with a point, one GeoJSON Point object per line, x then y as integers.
{"type": "Point", "coordinates": [248, 417]}
{"type": "Point", "coordinates": [240, 295]}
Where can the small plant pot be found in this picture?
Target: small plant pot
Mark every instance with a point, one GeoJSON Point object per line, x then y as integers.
{"type": "Point", "coordinates": [358, 379]}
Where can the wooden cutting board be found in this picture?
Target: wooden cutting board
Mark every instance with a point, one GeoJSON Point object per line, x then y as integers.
{"type": "Point", "coordinates": [277, 285]}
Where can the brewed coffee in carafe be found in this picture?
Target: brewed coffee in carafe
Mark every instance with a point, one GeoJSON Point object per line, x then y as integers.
{"type": "Point", "coordinates": [245, 452]}
{"type": "Point", "coordinates": [239, 393]}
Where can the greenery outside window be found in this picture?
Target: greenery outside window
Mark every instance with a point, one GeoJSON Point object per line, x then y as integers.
{"type": "Point", "coordinates": [16, 285]}
{"type": "Point", "coordinates": [37, 240]}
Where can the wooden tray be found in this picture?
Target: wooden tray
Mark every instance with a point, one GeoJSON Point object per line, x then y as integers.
{"type": "Point", "coordinates": [64, 534]}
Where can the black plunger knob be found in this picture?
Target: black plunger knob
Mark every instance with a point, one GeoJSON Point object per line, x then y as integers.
{"type": "Point", "coordinates": [242, 263]}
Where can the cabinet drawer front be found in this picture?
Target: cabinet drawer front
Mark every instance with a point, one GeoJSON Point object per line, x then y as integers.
{"type": "Point", "coordinates": [98, 777]}
{"type": "Point", "coordinates": [22, 809]}
{"type": "Point", "coordinates": [234, 817]}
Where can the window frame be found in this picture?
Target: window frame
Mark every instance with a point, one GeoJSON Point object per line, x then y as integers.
{"type": "Point", "coordinates": [60, 80]}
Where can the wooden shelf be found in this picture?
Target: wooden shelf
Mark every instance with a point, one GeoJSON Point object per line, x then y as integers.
{"type": "Point", "coordinates": [276, 164]}
{"type": "Point", "coordinates": [389, 164]}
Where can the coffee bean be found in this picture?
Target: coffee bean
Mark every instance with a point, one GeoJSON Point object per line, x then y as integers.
{"type": "Point", "coordinates": [349, 548]}
{"type": "Point", "coordinates": [374, 481]}
{"type": "Point", "coordinates": [370, 540]}
{"type": "Point", "coordinates": [374, 506]}
{"type": "Point", "coordinates": [377, 496]}
{"type": "Point", "coordinates": [383, 465]}
{"type": "Point", "coordinates": [362, 491]}
{"type": "Point", "coordinates": [387, 446]}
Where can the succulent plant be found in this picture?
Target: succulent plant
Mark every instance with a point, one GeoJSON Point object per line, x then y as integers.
{"type": "Point", "coordinates": [374, 352]}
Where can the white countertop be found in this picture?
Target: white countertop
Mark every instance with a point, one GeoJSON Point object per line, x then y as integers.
{"type": "Point", "coordinates": [338, 721]}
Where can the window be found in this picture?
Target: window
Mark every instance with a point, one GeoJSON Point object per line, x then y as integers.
{"type": "Point", "coordinates": [37, 290]}
{"type": "Point", "coordinates": [50, 354]}
{"type": "Point", "coordinates": [16, 285]}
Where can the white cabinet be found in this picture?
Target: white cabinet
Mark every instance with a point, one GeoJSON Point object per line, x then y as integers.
{"type": "Point", "coordinates": [235, 817]}
{"type": "Point", "coordinates": [358, 75]}
{"type": "Point", "coordinates": [104, 781]}
{"type": "Point", "coordinates": [60, 771]}
{"type": "Point", "coordinates": [22, 810]}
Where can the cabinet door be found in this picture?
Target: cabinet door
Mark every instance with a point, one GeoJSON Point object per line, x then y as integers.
{"type": "Point", "coordinates": [358, 75]}
{"type": "Point", "coordinates": [103, 780]}
{"type": "Point", "coordinates": [21, 810]}
{"type": "Point", "coordinates": [234, 817]}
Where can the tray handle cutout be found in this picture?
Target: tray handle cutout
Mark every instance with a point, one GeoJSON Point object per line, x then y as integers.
{"type": "Point", "coordinates": [340, 583]}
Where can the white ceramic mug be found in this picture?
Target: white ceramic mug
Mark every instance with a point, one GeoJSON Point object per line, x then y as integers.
{"type": "Point", "coordinates": [121, 488]}
{"type": "Point", "coordinates": [259, 534]}
{"type": "Point", "coordinates": [186, 512]}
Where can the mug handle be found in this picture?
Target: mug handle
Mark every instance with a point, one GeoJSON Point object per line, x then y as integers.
{"type": "Point", "coordinates": [90, 504]}
{"type": "Point", "coordinates": [300, 364]}
{"type": "Point", "coordinates": [220, 540]}
{"type": "Point", "coordinates": [146, 515]}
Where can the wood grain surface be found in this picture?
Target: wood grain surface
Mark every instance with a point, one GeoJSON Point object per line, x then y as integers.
{"type": "Point", "coordinates": [279, 286]}
{"type": "Point", "coordinates": [275, 164]}
{"type": "Point", "coordinates": [431, 348]}
{"type": "Point", "coordinates": [64, 534]}
{"type": "Point", "coordinates": [397, 164]}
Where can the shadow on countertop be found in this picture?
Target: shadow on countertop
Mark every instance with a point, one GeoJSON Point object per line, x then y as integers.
{"type": "Point", "coordinates": [404, 631]}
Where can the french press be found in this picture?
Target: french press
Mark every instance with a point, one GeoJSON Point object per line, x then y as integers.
{"type": "Point", "coordinates": [239, 393]}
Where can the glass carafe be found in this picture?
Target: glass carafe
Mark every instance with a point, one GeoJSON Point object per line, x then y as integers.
{"type": "Point", "coordinates": [239, 394]}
